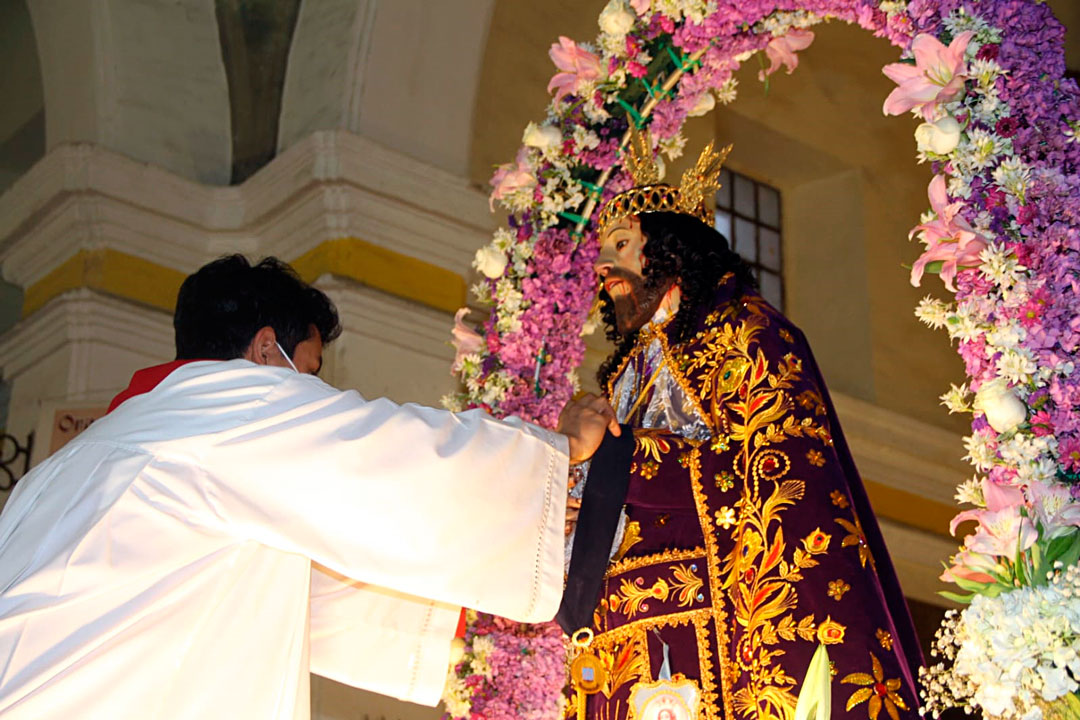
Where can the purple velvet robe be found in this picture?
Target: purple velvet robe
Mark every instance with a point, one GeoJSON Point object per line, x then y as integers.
{"type": "Point", "coordinates": [744, 551]}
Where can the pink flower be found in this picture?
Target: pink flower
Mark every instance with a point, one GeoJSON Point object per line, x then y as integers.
{"type": "Point", "coordinates": [1054, 505]}
{"type": "Point", "coordinates": [512, 178]}
{"type": "Point", "coordinates": [579, 67]}
{"type": "Point", "coordinates": [937, 76]}
{"type": "Point", "coordinates": [636, 69]}
{"type": "Point", "coordinates": [781, 51]}
{"type": "Point", "coordinates": [466, 340]}
{"type": "Point", "coordinates": [640, 6]}
{"type": "Point", "coordinates": [948, 237]}
{"type": "Point", "coordinates": [969, 566]}
{"type": "Point", "coordinates": [1004, 532]}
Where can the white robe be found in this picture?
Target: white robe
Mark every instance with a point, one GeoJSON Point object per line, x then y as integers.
{"type": "Point", "coordinates": [198, 551]}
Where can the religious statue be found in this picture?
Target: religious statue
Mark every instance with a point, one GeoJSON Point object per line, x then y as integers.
{"type": "Point", "coordinates": [742, 574]}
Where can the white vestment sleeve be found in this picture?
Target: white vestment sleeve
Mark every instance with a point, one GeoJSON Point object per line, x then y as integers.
{"type": "Point", "coordinates": [459, 508]}
{"type": "Point", "coordinates": [380, 640]}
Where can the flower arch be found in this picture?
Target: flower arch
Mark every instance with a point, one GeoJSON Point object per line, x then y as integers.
{"type": "Point", "coordinates": [1000, 126]}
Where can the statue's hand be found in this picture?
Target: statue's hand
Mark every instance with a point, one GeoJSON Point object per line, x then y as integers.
{"type": "Point", "coordinates": [584, 422]}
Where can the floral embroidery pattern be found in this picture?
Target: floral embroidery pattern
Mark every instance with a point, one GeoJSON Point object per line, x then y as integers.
{"type": "Point", "coordinates": [815, 458]}
{"type": "Point", "coordinates": [856, 537]}
{"type": "Point", "coordinates": [839, 499]}
{"type": "Point", "coordinates": [633, 596]}
{"type": "Point", "coordinates": [649, 468]}
{"type": "Point", "coordinates": [877, 690]}
{"type": "Point", "coordinates": [885, 638]}
{"type": "Point", "coordinates": [837, 588]}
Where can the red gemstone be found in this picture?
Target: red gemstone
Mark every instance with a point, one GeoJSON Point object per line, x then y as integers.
{"type": "Point", "coordinates": [749, 575]}
{"type": "Point", "coordinates": [881, 690]}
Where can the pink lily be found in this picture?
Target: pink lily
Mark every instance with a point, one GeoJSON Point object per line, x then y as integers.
{"type": "Point", "coordinates": [1055, 506]}
{"type": "Point", "coordinates": [937, 76]}
{"type": "Point", "coordinates": [948, 237]}
{"type": "Point", "coordinates": [969, 566]}
{"type": "Point", "coordinates": [466, 340]}
{"type": "Point", "coordinates": [1004, 532]}
{"type": "Point", "coordinates": [640, 6]}
{"type": "Point", "coordinates": [512, 178]}
{"type": "Point", "coordinates": [997, 497]}
{"type": "Point", "coordinates": [578, 67]}
{"type": "Point", "coordinates": [781, 51]}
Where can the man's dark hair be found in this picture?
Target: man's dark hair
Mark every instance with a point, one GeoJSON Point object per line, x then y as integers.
{"type": "Point", "coordinates": [683, 247]}
{"type": "Point", "coordinates": [222, 306]}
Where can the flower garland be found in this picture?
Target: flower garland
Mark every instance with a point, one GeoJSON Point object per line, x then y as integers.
{"type": "Point", "coordinates": [1000, 131]}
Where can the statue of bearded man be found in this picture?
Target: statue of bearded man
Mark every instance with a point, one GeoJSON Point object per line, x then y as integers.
{"type": "Point", "coordinates": [743, 550]}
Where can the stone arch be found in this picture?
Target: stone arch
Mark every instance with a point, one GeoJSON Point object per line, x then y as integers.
{"type": "Point", "coordinates": [381, 69]}
{"type": "Point", "coordinates": [22, 116]}
{"type": "Point", "coordinates": [142, 79]}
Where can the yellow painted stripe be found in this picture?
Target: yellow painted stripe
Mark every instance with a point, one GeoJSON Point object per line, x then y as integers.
{"type": "Point", "coordinates": [109, 271]}
{"type": "Point", "coordinates": [385, 270]}
{"type": "Point", "coordinates": [910, 509]}
{"type": "Point", "coordinates": [134, 278]}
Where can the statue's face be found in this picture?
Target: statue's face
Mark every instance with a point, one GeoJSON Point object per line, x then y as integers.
{"type": "Point", "coordinates": [621, 266]}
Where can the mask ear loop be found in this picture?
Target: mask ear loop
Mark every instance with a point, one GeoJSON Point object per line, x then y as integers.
{"type": "Point", "coordinates": [286, 356]}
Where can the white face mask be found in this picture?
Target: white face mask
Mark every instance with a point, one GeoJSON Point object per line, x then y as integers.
{"type": "Point", "coordinates": [286, 356]}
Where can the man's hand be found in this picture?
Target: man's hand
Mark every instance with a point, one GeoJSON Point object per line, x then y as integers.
{"type": "Point", "coordinates": [584, 422]}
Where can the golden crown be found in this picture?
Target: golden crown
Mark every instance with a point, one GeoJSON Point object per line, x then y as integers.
{"type": "Point", "coordinates": [649, 195]}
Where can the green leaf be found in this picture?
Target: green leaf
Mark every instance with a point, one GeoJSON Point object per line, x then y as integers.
{"type": "Point", "coordinates": [962, 599]}
{"type": "Point", "coordinates": [934, 268]}
{"type": "Point", "coordinates": [970, 585]}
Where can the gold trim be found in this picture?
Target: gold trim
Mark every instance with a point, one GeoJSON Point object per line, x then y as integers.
{"type": "Point", "coordinates": [668, 556]}
{"type": "Point", "coordinates": [386, 270]}
{"type": "Point", "coordinates": [144, 281]}
{"type": "Point", "coordinates": [110, 271]}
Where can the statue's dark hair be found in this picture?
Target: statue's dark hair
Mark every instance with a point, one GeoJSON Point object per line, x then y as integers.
{"type": "Point", "coordinates": [698, 256]}
{"type": "Point", "coordinates": [222, 305]}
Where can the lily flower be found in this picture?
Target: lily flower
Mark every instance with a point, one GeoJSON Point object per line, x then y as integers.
{"type": "Point", "coordinates": [948, 237]}
{"type": "Point", "coordinates": [466, 340]}
{"type": "Point", "coordinates": [1056, 508]}
{"type": "Point", "coordinates": [781, 51]}
{"type": "Point", "coordinates": [970, 566]}
{"type": "Point", "coordinates": [1004, 532]}
{"type": "Point", "coordinates": [579, 67]}
{"type": "Point", "coordinates": [937, 76]}
{"type": "Point", "coordinates": [512, 178]}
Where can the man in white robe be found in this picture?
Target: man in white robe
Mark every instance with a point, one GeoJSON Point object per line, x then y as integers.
{"type": "Point", "coordinates": [236, 524]}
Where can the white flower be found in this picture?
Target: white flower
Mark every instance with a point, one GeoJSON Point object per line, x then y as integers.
{"type": "Point", "coordinates": [617, 18]}
{"type": "Point", "coordinates": [933, 312]}
{"type": "Point", "coordinates": [1013, 176]}
{"type": "Point", "coordinates": [703, 106]}
{"type": "Point", "coordinates": [490, 261]}
{"type": "Point", "coordinates": [939, 137]}
{"type": "Point", "coordinates": [1003, 410]}
{"type": "Point", "coordinates": [979, 453]}
{"type": "Point", "coordinates": [673, 146]}
{"type": "Point", "coordinates": [503, 240]}
{"type": "Point", "coordinates": [956, 399]}
{"type": "Point", "coordinates": [727, 92]}
{"type": "Point", "coordinates": [970, 492]}
{"type": "Point", "coordinates": [1017, 366]}
{"type": "Point", "coordinates": [542, 137]}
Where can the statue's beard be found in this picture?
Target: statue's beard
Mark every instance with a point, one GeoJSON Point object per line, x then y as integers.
{"type": "Point", "coordinates": [637, 305]}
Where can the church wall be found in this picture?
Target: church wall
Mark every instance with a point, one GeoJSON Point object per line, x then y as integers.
{"type": "Point", "coordinates": [139, 77]}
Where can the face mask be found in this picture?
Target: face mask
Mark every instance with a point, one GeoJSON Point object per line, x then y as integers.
{"type": "Point", "coordinates": [286, 356]}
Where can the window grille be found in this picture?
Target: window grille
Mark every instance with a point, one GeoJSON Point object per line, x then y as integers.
{"type": "Point", "coordinates": [748, 215]}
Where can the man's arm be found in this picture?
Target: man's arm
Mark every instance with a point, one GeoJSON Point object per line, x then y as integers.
{"type": "Point", "coordinates": [461, 508]}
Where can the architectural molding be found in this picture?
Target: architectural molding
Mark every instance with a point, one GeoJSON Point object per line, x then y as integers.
{"type": "Point", "coordinates": [333, 184]}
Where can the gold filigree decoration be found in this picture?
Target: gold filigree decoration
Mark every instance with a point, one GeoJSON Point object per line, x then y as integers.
{"type": "Point", "coordinates": [631, 537]}
{"type": "Point", "coordinates": [876, 691]}
{"type": "Point", "coordinates": [649, 195]}
{"type": "Point", "coordinates": [837, 588]}
{"type": "Point", "coordinates": [885, 638]}
{"type": "Point", "coordinates": [857, 538]}
{"type": "Point", "coordinates": [839, 499]}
